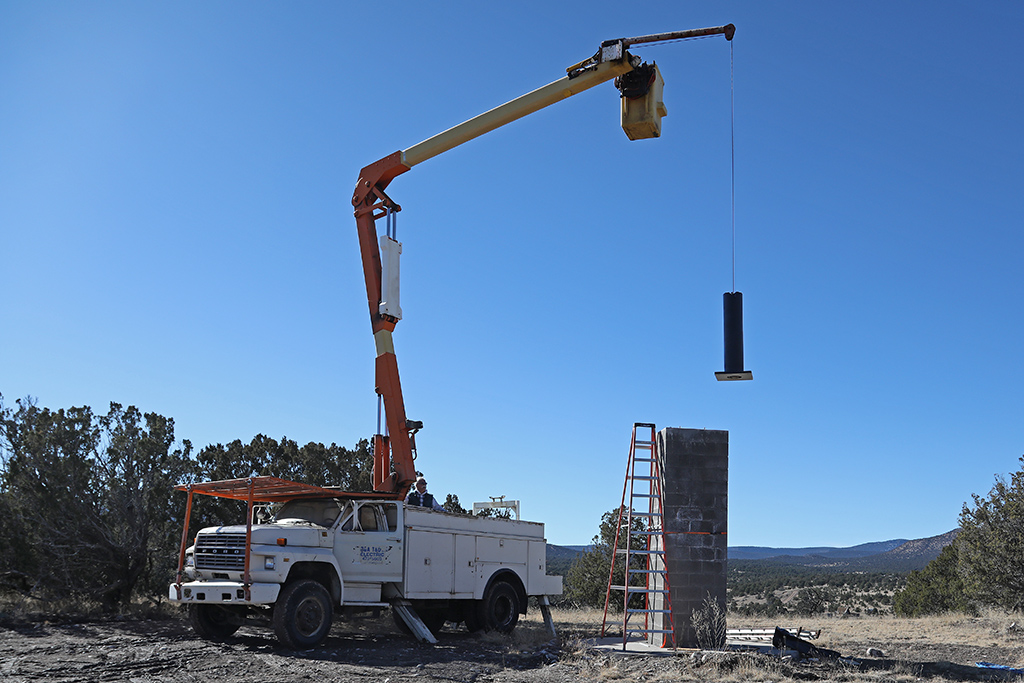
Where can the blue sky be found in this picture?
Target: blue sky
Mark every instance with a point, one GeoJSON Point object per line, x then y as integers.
{"type": "Point", "coordinates": [176, 234]}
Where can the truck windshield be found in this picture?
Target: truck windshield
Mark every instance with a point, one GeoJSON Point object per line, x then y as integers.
{"type": "Point", "coordinates": [319, 512]}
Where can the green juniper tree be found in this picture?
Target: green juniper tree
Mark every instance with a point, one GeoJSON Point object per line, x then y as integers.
{"type": "Point", "coordinates": [89, 498]}
{"type": "Point", "coordinates": [991, 544]}
{"type": "Point", "coordinates": [935, 589]}
{"type": "Point", "coordinates": [88, 508]}
{"type": "Point", "coordinates": [587, 578]}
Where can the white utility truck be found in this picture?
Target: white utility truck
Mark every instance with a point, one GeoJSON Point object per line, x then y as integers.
{"type": "Point", "coordinates": [324, 549]}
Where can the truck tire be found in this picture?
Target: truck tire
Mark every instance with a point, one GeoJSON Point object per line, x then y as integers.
{"type": "Point", "coordinates": [469, 613]}
{"type": "Point", "coordinates": [434, 619]}
{"type": "Point", "coordinates": [472, 619]}
{"type": "Point", "coordinates": [499, 610]}
{"type": "Point", "coordinates": [303, 614]}
{"type": "Point", "coordinates": [212, 622]}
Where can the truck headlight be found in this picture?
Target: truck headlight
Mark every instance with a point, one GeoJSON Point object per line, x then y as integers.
{"type": "Point", "coordinates": [190, 561]}
{"type": "Point", "coordinates": [268, 563]}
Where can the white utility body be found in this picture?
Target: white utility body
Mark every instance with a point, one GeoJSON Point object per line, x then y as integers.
{"type": "Point", "coordinates": [316, 555]}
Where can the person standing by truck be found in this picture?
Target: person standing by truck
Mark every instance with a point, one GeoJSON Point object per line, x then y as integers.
{"type": "Point", "coordinates": [421, 498]}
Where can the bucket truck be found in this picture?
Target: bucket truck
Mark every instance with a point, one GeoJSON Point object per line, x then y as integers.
{"type": "Point", "coordinates": [323, 549]}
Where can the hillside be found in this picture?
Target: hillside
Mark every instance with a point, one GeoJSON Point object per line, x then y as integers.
{"type": "Point", "coordinates": [825, 581]}
{"type": "Point", "coordinates": [750, 552]}
{"type": "Point", "coordinates": [560, 557]}
{"type": "Point", "coordinates": [925, 547]}
{"type": "Point", "coordinates": [767, 582]}
{"type": "Point", "coordinates": [897, 556]}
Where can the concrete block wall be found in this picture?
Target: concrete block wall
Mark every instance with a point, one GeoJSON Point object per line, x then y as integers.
{"type": "Point", "coordinates": [695, 476]}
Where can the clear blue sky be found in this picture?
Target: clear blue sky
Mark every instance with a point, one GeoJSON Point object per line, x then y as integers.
{"type": "Point", "coordinates": [176, 234]}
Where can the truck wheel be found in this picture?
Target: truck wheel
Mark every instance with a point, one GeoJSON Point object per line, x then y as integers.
{"type": "Point", "coordinates": [303, 614]}
{"type": "Point", "coordinates": [470, 614]}
{"type": "Point", "coordinates": [499, 610]}
{"type": "Point", "coordinates": [212, 622]}
{"type": "Point", "coordinates": [434, 619]}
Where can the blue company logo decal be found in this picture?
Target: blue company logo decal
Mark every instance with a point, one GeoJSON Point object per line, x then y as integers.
{"type": "Point", "coordinates": [373, 554]}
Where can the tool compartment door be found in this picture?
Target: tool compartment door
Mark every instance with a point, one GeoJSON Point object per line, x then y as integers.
{"type": "Point", "coordinates": [431, 563]}
{"type": "Point", "coordinates": [503, 551]}
{"type": "Point", "coordinates": [465, 566]}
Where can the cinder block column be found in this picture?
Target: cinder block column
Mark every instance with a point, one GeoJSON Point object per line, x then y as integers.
{"type": "Point", "coordinates": [696, 486]}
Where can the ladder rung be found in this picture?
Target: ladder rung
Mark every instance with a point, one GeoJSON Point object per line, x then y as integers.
{"type": "Point", "coordinates": [646, 514]}
{"type": "Point", "coordinates": [649, 611]}
{"type": "Point", "coordinates": [647, 630]}
{"type": "Point", "coordinates": [639, 589]}
{"type": "Point", "coordinates": [643, 459]}
{"type": "Point", "coordinates": [640, 478]}
{"type": "Point", "coordinates": [647, 571]}
{"type": "Point", "coordinates": [639, 552]}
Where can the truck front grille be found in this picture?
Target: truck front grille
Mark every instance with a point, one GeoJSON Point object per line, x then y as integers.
{"type": "Point", "coordinates": [220, 551]}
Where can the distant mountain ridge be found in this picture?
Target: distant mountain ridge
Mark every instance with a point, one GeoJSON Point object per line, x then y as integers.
{"type": "Point", "coordinates": [752, 552]}
{"type": "Point", "coordinates": [925, 546]}
{"type": "Point", "coordinates": [897, 555]}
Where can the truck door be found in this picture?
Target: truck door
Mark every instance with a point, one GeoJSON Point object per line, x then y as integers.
{"type": "Point", "coordinates": [368, 543]}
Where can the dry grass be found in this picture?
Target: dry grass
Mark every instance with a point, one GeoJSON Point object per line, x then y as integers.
{"type": "Point", "coordinates": [943, 647]}
{"type": "Point", "coordinates": [529, 635]}
{"type": "Point", "coordinates": [15, 608]}
{"type": "Point", "coordinates": [584, 618]}
{"type": "Point", "coordinates": [944, 634]}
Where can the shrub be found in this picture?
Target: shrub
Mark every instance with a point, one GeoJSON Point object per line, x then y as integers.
{"type": "Point", "coordinates": [935, 589]}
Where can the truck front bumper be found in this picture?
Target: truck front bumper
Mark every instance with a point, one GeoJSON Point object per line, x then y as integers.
{"type": "Point", "coordinates": [223, 593]}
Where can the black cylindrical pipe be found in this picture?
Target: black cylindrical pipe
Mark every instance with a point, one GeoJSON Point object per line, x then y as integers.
{"type": "Point", "coordinates": [733, 309]}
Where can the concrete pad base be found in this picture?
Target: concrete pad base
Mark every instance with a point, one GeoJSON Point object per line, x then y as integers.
{"type": "Point", "coordinates": [634, 646]}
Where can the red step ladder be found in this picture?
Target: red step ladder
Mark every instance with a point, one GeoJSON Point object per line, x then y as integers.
{"type": "Point", "coordinates": [643, 568]}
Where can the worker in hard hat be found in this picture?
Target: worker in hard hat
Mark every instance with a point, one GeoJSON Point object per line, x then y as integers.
{"type": "Point", "coordinates": [419, 496]}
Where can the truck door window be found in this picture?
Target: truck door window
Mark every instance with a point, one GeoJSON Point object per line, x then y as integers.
{"type": "Point", "coordinates": [368, 518]}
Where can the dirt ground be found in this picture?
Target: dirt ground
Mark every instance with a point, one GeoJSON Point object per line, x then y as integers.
{"type": "Point", "coordinates": [372, 649]}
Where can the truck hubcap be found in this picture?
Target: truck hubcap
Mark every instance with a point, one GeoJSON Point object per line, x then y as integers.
{"type": "Point", "coordinates": [309, 616]}
{"type": "Point", "coordinates": [502, 611]}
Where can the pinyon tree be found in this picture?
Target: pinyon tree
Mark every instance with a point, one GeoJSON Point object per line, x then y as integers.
{"type": "Point", "coordinates": [88, 509]}
{"type": "Point", "coordinates": [935, 589]}
{"type": "Point", "coordinates": [991, 544]}
{"type": "Point", "coordinates": [587, 578]}
{"type": "Point", "coordinates": [87, 498]}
